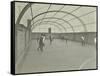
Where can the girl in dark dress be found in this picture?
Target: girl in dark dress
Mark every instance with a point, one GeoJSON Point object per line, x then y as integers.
{"type": "Point", "coordinates": [41, 43]}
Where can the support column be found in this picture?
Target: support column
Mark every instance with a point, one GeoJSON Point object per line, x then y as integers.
{"type": "Point", "coordinates": [28, 32]}
{"type": "Point", "coordinates": [29, 28]}
{"type": "Point", "coordinates": [49, 30]}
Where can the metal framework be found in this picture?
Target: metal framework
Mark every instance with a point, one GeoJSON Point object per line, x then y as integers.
{"type": "Point", "coordinates": [58, 24]}
{"type": "Point", "coordinates": [55, 22]}
{"type": "Point", "coordinates": [29, 5]}
{"type": "Point", "coordinates": [61, 29]}
{"type": "Point", "coordinates": [83, 24]}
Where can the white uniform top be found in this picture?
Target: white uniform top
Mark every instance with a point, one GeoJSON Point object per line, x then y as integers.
{"type": "Point", "coordinates": [95, 40]}
{"type": "Point", "coordinates": [82, 38]}
{"type": "Point", "coordinates": [43, 38]}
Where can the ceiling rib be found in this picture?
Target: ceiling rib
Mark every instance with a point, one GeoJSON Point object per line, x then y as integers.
{"type": "Point", "coordinates": [52, 22]}
{"type": "Point", "coordinates": [71, 12]}
{"type": "Point", "coordinates": [83, 15]}
{"type": "Point", "coordinates": [58, 10]}
{"type": "Point", "coordinates": [45, 14]}
{"type": "Point", "coordinates": [55, 21]}
{"type": "Point", "coordinates": [31, 10]}
{"type": "Point", "coordinates": [65, 13]}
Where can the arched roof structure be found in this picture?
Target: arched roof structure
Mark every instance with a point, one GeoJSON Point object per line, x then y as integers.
{"type": "Point", "coordinates": [71, 18]}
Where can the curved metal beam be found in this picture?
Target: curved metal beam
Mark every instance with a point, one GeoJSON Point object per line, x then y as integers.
{"type": "Point", "coordinates": [23, 12]}
{"type": "Point", "coordinates": [45, 13]}
{"type": "Point", "coordinates": [51, 22]}
{"type": "Point", "coordinates": [28, 5]}
{"type": "Point", "coordinates": [55, 21]}
{"type": "Point", "coordinates": [45, 22]}
{"type": "Point", "coordinates": [83, 24]}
